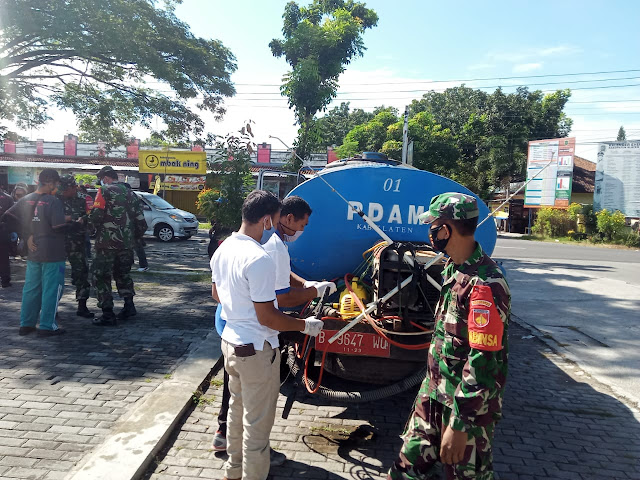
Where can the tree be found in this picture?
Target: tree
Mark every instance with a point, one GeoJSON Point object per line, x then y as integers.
{"type": "Point", "coordinates": [334, 126]}
{"type": "Point", "coordinates": [319, 40]}
{"type": "Point", "coordinates": [368, 137]}
{"type": "Point", "coordinates": [477, 138]}
{"type": "Point", "coordinates": [622, 135]}
{"type": "Point", "coordinates": [232, 179]}
{"type": "Point", "coordinates": [95, 58]}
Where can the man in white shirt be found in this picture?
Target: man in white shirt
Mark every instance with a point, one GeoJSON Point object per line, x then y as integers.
{"type": "Point", "coordinates": [243, 281]}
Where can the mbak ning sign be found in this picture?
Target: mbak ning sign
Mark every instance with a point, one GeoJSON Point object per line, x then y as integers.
{"type": "Point", "coordinates": [172, 161]}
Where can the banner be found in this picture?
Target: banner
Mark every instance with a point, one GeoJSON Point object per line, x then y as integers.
{"type": "Point", "coordinates": [617, 185]}
{"type": "Point", "coordinates": [551, 163]}
{"type": "Point", "coordinates": [172, 161]}
{"type": "Point", "coordinates": [183, 182]}
{"type": "Point", "coordinates": [26, 175]}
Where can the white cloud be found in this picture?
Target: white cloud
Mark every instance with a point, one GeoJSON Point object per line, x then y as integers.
{"type": "Point", "coordinates": [527, 67]}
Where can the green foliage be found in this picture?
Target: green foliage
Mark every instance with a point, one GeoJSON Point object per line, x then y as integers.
{"type": "Point", "coordinates": [232, 177]}
{"type": "Point", "coordinates": [622, 135]}
{"type": "Point", "coordinates": [574, 210]}
{"type": "Point", "coordinates": [477, 138]}
{"type": "Point", "coordinates": [86, 179]}
{"type": "Point", "coordinates": [95, 58]}
{"type": "Point", "coordinates": [319, 40]}
{"type": "Point", "coordinates": [334, 126]}
{"type": "Point", "coordinates": [207, 202]}
{"type": "Point", "coordinates": [610, 224]}
{"type": "Point", "coordinates": [553, 222]}
{"type": "Point", "coordinates": [590, 220]}
{"type": "Point", "coordinates": [630, 239]}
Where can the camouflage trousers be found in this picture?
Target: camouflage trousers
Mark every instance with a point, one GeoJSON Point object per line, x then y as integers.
{"type": "Point", "coordinates": [118, 263]}
{"type": "Point", "coordinates": [420, 453]}
{"type": "Point", "coordinates": [77, 256]}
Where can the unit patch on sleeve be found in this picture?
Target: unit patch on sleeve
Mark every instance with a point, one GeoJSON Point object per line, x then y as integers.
{"type": "Point", "coordinates": [484, 323]}
{"type": "Point", "coordinates": [99, 202]}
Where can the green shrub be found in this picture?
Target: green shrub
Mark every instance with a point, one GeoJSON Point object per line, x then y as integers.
{"type": "Point", "coordinates": [207, 203]}
{"type": "Point", "coordinates": [552, 222]}
{"type": "Point", "coordinates": [610, 224]}
{"type": "Point", "coordinates": [574, 210]}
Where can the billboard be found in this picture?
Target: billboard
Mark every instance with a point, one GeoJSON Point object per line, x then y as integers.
{"type": "Point", "coordinates": [551, 163]}
{"type": "Point", "coordinates": [172, 161]}
{"type": "Point", "coordinates": [617, 185]}
{"type": "Point", "coordinates": [183, 182]}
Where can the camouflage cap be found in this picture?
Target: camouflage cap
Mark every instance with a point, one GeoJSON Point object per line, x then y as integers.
{"type": "Point", "coordinates": [451, 206]}
{"type": "Point", "coordinates": [107, 171]}
{"type": "Point", "coordinates": [67, 181]}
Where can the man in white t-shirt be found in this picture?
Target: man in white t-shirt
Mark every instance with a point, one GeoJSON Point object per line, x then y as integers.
{"type": "Point", "coordinates": [243, 281]}
{"type": "Point", "coordinates": [292, 290]}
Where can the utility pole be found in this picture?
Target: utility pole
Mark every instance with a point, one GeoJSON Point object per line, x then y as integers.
{"type": "Point", "coordinates": [405, 135]}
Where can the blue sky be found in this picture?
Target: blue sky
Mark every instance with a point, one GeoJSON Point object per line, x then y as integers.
{"type": "Point", "coordinates": [421, 41]}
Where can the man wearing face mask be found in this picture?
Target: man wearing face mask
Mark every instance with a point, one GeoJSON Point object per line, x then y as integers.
{"type": "Point", "coordinates": [460, 401]}
{"type": "Point", "coordinates": [119, 221]}
{"type": "Point", "coordinates": [40, 217]}
{"type": "Point", "coordinates": [243, 281]}
{"type": "Point", "coordinates": [291, 291]}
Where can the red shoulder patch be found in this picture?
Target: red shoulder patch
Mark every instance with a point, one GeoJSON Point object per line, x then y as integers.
{"type": "Point", "coordinates": [484, 323]}
{"type": "Point", "coordinates": [99, 202]}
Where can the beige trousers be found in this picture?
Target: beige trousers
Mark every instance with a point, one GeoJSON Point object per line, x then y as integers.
{"type": "Point", "coordinates": [254, 383]}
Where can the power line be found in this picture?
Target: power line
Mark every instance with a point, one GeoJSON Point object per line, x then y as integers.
{"type": "Point", "coordinates": [493, 86]}
{"type": "Point", "coordinates": [461, 80]}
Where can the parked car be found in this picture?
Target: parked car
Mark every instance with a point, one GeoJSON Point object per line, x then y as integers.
{"type": "Point", "coordinates": [166, 221]}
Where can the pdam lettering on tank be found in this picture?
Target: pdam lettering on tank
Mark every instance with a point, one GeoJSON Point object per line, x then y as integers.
{"type": "Point", "coordinates": [393, 214]}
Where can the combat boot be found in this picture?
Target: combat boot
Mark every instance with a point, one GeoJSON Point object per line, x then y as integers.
{"type": "Point", "coordinates": [107, 319]}
{"type": "Point", "coordinates": [129, 309]}
{"type": "Point", "coordinates": [83, 311]}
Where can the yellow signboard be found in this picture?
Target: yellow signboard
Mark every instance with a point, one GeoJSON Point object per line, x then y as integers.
{"type": "Point", "coordinates": [172, 161]}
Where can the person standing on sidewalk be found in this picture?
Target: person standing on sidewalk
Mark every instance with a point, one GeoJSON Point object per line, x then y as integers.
{"type": "Point", "coordinates": [460, 401]}
{"type": "Point", "coordinates": [43, 223]}
{"type": "Point", "coordinates": [291, 291]}
{"type": "Point", "coordinates": [119, 221]}
{"type": "Point", "coordinates": [243, 281]}
{"type": "Point", "coordinates": [6, 202]}
{"type": "Point", "coordinates": [75, 207]}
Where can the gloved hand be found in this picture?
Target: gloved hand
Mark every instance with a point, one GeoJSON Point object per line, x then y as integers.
{"type": "Point", "coordinates": [312, 326]}
{"type": "Point", "coordinates": [321, 287]}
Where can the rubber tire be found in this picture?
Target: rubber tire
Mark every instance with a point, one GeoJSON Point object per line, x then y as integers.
{"type": "Point", "coordinates": [163, 230]}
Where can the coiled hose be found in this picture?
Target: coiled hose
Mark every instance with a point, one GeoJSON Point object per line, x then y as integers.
{"type": "Point", "coordinates": [356, 396]}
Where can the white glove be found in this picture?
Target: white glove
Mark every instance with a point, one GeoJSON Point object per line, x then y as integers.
{"type": "Point", "coordinates": [321, 287]}
{"type": "Point", "coordinates": [312, 326]}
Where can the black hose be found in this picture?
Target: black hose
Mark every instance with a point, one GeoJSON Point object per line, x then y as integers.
{"type": "Point", "coordinates": [358, 397]}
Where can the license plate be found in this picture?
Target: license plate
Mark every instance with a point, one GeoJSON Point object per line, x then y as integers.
{"type": "Point", "coordinates": [354, 343]}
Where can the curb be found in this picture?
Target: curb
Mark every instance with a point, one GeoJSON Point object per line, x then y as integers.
{"type": "Point", "coordinates": [628, 397]}
{"type": "Point", "coordinates": [142, 432]}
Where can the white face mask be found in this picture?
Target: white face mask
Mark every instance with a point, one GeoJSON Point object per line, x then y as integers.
{"type": "Point", "coordinates": [102, 182]}
{"type": "Point", "coordinates": [292, 238]}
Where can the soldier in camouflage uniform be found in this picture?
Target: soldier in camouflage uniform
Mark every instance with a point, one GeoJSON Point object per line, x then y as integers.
{"type": "Point", "coordinates": [119, 221]}
{"type": "Point", "coordinates": [456, 410]}
{"type": "Point", "coordinates": [75, 208]}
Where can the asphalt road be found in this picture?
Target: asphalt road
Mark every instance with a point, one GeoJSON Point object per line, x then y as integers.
{"type": "Point", "coordinates": [586, 299]}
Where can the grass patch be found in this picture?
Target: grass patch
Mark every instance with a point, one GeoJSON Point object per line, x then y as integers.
{"type": "Point", "coordinates": [198, 277]}
{"type": "Point", "coordinates": [206, 225]}
{"type": "Point", "coordinates": [572, 241]}
{"type": "Point", "coordinates": [217, 382]}
{"type": "Point", "coordinates": [167, 376]}
{"type": "Point", "coordinates": [328, 429]}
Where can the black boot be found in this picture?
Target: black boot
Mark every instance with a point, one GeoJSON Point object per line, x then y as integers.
{"type": "Point", "coordinates": [129, 309]}
{"type": "Point", "coordinates": [83, 311]}
{"type": "Point", "coordinates": [107, 319]}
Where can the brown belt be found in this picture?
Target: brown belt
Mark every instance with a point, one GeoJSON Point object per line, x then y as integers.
{"type": "Point", "coordinates": [246, 350]}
